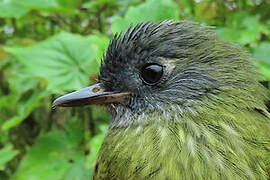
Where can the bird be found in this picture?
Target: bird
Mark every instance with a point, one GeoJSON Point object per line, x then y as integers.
{"type": "Point", "coordinates": [184, 104]}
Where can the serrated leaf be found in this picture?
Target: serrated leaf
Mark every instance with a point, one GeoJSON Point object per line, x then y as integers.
{"type": "Point", "coordinates": [54, 156]}
{"type": "Point", "coordinates": [152, 10]}
{"type": "Point", "coordinates": [6, 154]}
{"type": "Point", "coordinates": [65, 61]}
{"type": "Point", "coordinates": [9, 10]}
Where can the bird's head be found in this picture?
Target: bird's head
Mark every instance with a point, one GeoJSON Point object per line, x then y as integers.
{"type": "Point", "coordinates": [167, 67]}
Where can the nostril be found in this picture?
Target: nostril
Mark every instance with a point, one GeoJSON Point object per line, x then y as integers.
{"type": "Point", "coordinates": [95, 89]}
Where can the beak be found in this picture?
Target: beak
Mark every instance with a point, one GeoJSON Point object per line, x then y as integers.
{"type": "Point", "coordinates": [94, 94]}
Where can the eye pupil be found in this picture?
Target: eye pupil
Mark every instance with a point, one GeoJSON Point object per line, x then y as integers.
{"type": "Point", "coordinates": [151, 73]}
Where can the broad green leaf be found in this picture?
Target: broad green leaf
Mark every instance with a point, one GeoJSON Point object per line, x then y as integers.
{"type": "Point", "coordinates": [152, 10]}
{"type": "Point", "coordinates": [239, 36]}
{"type": "Point", "coordinates": [265, 70]}
{"type": "Point", "coordinates": [55, 156]}
{"type": "Point", "coordinates": [99, 43]}
{"type": "Point", "coordinates": [24, 107]}
{"type": "Point", "coordinates": [9, 10]}
{"type": "Point", "coordinates": [243, 29]}
{"type": "Point", "coordinates": [24, 93]}
{"type": "Point", "coordinates": [72, 4]}
{"type": "Point", "coordinates": [36, 3]}
{"type": "Point", "coordinates": [6, 154]}
{"type": "Point", "coordinates": [65, 61]}
{"type": "Point", "coordinates": [66, 6]}
{"type": "Point", "coordinates": [229, 33]}
{"type": "Point", "coordinates": [94, 3]}
{"type": "Point", "coordinates": [262, 53]}
{"type": "Point", "coordinates": [252, 23]}
{"type": "Point", "coordinates": [18, 77]}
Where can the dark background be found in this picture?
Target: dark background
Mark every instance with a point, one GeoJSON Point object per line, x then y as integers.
{"type": "Point", "coordinates": [50, 47]}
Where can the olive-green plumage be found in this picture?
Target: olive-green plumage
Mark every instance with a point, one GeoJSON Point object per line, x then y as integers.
{"type": "Point", "coordinates": [224, 133]}
{"type": "Point", "coordinates": [196, 108]}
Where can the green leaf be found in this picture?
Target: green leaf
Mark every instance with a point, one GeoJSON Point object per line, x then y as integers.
{"type": "Point", "coordinates": [24, 93]}
{"type": "Point", "coordinates": [9, 10]}
{"type": "Point", "coordinates": [152, 10]}
{"type": "Point", "coordinates": [243, 29]}
{"type": "Point", "coordinates": [20, 81]}
{"type": "Point", "coordinates": [24, 107]}
{"type": "Point", "coordinates": [72, 4]}
{"type": "Point", "coordinates": [65, 61]}
{"type": "Point", "coordinates": [95, 3]}
{"type": "Point", "coordinates": [6, 154]}
{"type": "Point", "coordinates": [229, 34]}
{"type": "Point", "coordinates": [94, 145]}
{"type": "Point", "coordinates": [239, 36]}
{"type": "Point", "coordinates": [55, 156]}
{"type": "Point", "coordinates": [265, 70]}
{"type": "Point", "coordinates": [99, 43]}
{"type": "Point", "coordinates": [262, 52]}
{"type": "Point", "coordinates": [65, 6]}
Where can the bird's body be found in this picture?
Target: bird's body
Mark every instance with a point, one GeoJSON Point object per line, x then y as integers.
{"type": "Point", "coordinates": [196, 108]}
{"type": "Point", "coordinates": [192, 148]}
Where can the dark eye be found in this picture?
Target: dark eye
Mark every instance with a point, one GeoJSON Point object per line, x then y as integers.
{"type": "Point", "coordinates": [151, 73]}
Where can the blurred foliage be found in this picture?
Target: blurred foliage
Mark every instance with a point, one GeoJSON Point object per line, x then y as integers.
{"type": "Point", "coordinates": [49, 47]}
